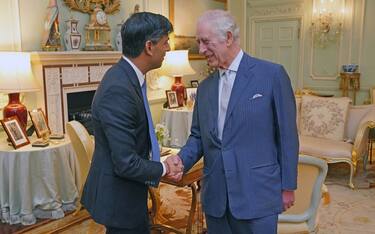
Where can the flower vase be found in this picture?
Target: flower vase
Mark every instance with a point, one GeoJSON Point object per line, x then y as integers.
{"type": "Point", "coordinates": [72, 37]}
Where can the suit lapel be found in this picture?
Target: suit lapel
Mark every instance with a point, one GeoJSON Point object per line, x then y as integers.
{"type": "Point", "coordinates": [214, 101]}
{"type": "Point", "coordinates": [243, 79]}
{"type": "Point", "coordinates": [214, 105]}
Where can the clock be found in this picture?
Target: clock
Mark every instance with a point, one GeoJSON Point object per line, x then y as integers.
{"type": "Point", "coordinates": [98, 32]}
{"type": "Point", "coordinates": [101, 17]}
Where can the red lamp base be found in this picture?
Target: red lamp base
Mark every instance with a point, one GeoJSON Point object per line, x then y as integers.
{"type": "Point", "coordinates": [15, 107]}
{"type": "Point", "coordinates": [180, 89]}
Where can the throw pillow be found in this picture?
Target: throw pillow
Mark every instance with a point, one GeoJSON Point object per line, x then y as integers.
{"type": "Point", "coordinates": [324, 117]}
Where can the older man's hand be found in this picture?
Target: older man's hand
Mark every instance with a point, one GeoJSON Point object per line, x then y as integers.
{"type": "Point", "coordinates": [288, 199]}
{"type": "Point", "coordinates": [175, 168]}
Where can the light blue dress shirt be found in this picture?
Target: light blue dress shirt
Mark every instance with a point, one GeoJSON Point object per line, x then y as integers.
{"type": "Point", "coordinates": [227, 77]}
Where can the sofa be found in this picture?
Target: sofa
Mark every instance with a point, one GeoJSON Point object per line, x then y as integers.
{"type": "Point", "coordinates": [333, 129]}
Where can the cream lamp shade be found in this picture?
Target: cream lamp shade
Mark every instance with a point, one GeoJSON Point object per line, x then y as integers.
{"type": "Point", "coordinates": [176, 63]}
{"type": "Point", "coordinates": [15, 73]}
{"type": "Point", "coordinates": [16, 76]}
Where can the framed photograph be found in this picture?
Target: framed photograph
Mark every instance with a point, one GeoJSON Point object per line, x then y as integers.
{"type": "Point", "coordinates": [191, 94]}
{"type": "Point", "coordinates": [185, 24]}
{"type": "Point", "coordinates": [171, 99]}
{"type": "Point", "coordinates": [40, 122]}
{"type": "Point", "coordinates": [15, 132]}
{"type": "Point", "coordinates": [194, 83]}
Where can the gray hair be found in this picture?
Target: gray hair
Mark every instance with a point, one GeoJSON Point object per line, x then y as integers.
{"type": "Point", "coordinates": [221, 22]}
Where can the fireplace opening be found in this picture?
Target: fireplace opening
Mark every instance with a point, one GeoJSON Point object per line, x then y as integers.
{"type": "Point", "coordinates": [79, 108]}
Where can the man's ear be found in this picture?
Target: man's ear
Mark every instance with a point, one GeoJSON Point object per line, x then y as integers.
{"type": "Point", "coordinates": [230, 38]}
{"type": "Point", "coordinates": [148, 47]}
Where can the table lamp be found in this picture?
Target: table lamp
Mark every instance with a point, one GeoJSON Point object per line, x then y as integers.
{"type": "Point", "coordinates": [16, 76]}
{"type": "Point", "coordinates": [176, 64]}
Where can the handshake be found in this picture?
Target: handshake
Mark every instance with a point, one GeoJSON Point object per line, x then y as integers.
{"type": "Point", "coordinates": [174, 168]}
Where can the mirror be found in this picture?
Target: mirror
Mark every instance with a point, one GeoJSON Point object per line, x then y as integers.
{"type": "Point", "coordinates": [185, 24]}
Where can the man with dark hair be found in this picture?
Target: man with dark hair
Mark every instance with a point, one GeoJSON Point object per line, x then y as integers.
{"type": "Point", "coordinates": [115, 192]}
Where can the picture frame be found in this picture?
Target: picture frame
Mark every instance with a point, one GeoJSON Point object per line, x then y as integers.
{"type": "Point", "coordinates": [40, 122]}
{"type": "Point", "coordinates": [15, 132]}
{"type": "Point", "coordinates": [194, 83]}
{"type": "Point", "coordinates": [372, 94]}
{"type": "Point", "coordinates": [191, 94]}
{"type": "Point", "coordinates": [171, 99]}
{"type": "Point", "coordinates": [185, 24]}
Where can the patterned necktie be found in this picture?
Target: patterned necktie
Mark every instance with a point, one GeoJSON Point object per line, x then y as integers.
{"type": "Point", "coordinates": [154, 142]}
{"type": "Point", "coordinates": [223, 102]}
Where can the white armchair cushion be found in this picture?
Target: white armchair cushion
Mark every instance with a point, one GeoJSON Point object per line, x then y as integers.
{"type": "Point", "coordinates": [326, 148]}
{"type": "Point", "coordinates": [324, 117]}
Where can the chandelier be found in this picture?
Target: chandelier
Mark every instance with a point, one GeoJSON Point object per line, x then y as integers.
{"type": "Point", "coordinates": [327, 21]}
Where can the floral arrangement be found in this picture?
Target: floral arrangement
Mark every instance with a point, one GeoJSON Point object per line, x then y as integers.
{"type": "Point", "coordinates": [162, 133]}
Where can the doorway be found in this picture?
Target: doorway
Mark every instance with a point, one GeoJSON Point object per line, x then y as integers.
{"type": "Point", "coordinates": [278, 41]}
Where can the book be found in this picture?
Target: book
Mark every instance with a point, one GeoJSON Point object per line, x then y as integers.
{"type": "Point", "coordinates": [40, 143]}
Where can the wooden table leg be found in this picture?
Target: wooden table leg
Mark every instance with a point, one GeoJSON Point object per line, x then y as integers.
{"type": "Point", "coordinates": [192, 208]}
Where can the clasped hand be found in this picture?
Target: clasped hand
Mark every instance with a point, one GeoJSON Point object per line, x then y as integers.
{"type": "Point", "coordinates": [174, 167]}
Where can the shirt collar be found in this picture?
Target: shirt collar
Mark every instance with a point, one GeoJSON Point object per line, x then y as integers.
{"type": "Point", "coordinates": [140, 76]}
{"type": "Point", "coordinates": [234, 65]}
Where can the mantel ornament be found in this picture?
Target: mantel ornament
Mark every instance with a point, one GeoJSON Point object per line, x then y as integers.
{"type": "Point", "coordinates": [98, 32]}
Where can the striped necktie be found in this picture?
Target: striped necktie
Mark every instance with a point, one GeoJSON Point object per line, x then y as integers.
{"type": "Point", "coordinates": [155, 153]}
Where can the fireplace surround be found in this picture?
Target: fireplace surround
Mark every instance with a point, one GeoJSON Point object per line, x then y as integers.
{"type": "Point", "coordinates": [66, 79]}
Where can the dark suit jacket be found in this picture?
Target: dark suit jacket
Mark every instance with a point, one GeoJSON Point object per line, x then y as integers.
{"type": "Point", "coordinates": [115, 192]}
{"type": "Point", "coordinates": [258, 154]}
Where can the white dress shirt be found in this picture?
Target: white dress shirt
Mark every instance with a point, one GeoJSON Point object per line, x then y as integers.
{"type": "Point", "coordinates": [141, 79]}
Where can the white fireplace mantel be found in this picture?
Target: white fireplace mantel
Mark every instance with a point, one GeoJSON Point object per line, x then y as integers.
{"type": "Point", "coordinates": [60, 73]}
{"type": "Point", "coordinates": [75, 57]}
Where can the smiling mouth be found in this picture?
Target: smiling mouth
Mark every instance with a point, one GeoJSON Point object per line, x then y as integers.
{"type": "Point", "coordinates": [208, 56]}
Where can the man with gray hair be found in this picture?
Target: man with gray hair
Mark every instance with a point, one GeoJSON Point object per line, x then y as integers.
{"type": "Point", "coordinates": [244, 124]}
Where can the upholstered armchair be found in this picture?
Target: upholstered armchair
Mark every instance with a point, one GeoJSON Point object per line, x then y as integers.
{"type": "Point", "coordinates": [333, 129]}
{"type": "Point", "coordinates": [83, 145]}
{"type": "Point", "coordinates": [302, 217]}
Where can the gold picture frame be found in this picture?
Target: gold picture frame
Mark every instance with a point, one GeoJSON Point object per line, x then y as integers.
{"type": "Point", "coordinates": [40, 122]}
{"type": "Point", "coordinates": [181, 40]}
{"type": "Point", "coordinates": [15, 132]}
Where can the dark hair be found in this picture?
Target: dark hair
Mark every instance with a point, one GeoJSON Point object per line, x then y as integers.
{"type": "Point", "coordinates": [141, 27]}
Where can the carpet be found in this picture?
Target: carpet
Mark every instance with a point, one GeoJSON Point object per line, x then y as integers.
{"type": "Point", "coordinates": [349, 211]}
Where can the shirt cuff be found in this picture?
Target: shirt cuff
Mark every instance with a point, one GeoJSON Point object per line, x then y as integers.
{"type": "Point", "coordinates": [164, 169]}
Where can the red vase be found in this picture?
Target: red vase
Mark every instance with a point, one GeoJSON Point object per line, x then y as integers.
{"type": "Point", "coordinates": [180, 89]}
{"type": "Point", "coordinates": [15, 107]}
